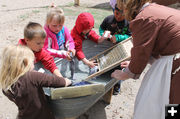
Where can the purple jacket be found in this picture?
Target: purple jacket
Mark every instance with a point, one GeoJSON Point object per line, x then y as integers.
{"type": "Point", "coordinates": [51, 44]}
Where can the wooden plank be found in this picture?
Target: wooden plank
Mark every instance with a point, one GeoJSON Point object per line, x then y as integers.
{"type": "Point", "coordinates": [76, 2]}
{"type": "Point", "coordinates": [76, 91]}
{"type": "Point", "coordinates": [107, 97]}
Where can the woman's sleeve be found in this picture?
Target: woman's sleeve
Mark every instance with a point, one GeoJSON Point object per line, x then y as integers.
{"type": "Point", "coordinates": [165, 2]}
{"type": "Point", "coordinates": [144, 33]}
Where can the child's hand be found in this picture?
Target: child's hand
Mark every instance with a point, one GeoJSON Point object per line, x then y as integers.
{"type": "Point", "coordinates": [101, 39]}
{"type": "Point", "coordinates": [68, 82]}
{"type": "Point", "coordinates": [70, 54]}
{"type": "Point", "coordinates": [68, 57]}
{"type": "Point", "coordinates": [125, 64]}
{"type": "Point", "coordinates": [73, 52]}
{"type": "Point", "coordinates": [113, 39]}
{"type": "Point", "coordinates": [92, 64]}
{"type": "Point", "coordinates": [107, 34]}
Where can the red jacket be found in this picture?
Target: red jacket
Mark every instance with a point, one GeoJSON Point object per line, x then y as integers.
{"type": "Point", "coordinates": [46, 59]}
{"type": "Point", "coordinates": [84, 21]}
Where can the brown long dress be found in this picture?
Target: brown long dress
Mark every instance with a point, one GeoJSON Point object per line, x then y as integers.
{"type": "Point", "coordinates": [156, 32]}
{"type": "Point", "coordinates": [165, 2]}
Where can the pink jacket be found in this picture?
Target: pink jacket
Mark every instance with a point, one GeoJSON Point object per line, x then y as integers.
{"type": "Point", "coordinates": [51, 44]}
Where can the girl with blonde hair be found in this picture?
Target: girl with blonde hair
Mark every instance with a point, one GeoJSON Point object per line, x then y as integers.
{"type": "Point", "coordinates": [59, 42]}
{"type": "Point", "coordinates": [156, 35]}
{"type": "Point", "coordinates": [23, 86]}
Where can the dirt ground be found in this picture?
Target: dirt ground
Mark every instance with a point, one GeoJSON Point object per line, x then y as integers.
{"type": "Point", "coordinates": [15, 14]}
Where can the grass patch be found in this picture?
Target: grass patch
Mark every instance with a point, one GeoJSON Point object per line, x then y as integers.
{"type": "Point", "coordinates": [24, 16]}
{"type": "Point", "coordinates": [99, 14]}
{"type": "Point", "coordinates": [35, 11]}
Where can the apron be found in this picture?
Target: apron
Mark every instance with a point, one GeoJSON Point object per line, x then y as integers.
{"type": "Point", "coordinates": [154, 91]}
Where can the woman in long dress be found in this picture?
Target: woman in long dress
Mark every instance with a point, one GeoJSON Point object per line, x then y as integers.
{"type": "Point", "coordinates": [156, 35]}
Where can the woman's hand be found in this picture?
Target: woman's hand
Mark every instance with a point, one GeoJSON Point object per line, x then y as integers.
{"type": "Point", "coordinates": [120, 75]}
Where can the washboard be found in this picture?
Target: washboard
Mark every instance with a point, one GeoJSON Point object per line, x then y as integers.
{"type": "Point", "coordinates": [112, 57]}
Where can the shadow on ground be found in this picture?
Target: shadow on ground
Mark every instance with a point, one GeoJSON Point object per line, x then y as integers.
{"type": "Point", "coordinates": [103, 6]}
{"type": "Point", "coordinates": [97, 111]}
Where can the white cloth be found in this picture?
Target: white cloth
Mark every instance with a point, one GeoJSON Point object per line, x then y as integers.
{"type": "Point", "coordinates": [154, 91]}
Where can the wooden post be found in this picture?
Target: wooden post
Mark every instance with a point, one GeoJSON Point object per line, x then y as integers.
{"type": "Point", "coordinates": [76, 2]}
{"type": "Point", "coordinates": [108, 95]}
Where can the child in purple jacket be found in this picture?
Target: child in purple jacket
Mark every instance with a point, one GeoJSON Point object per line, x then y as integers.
{"type": "Point", "coordinates": [59, 42]}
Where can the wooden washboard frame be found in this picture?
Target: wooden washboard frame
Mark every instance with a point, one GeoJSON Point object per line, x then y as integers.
{"type": "Point", "coordinates": [122, 51]}
{"type": "Point", "coordinates": [76, 91]}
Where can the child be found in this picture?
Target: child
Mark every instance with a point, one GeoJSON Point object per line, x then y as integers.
{"type": "Point", "coordinates": [83, 31]}
{"type": "Point", "coordinates": [119, 29]}
{"type": "Point", "coordinates": [34, 37]}
{"type": "Point", "coordinates": [59, 42]}
{"type": "Point", "coordinates": [117, 25]}
{"type": "Point", "coordinates": [23, 86]}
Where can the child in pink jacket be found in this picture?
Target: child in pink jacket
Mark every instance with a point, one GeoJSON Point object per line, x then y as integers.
{"type": "Point", "coordinates": [59, 42]}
